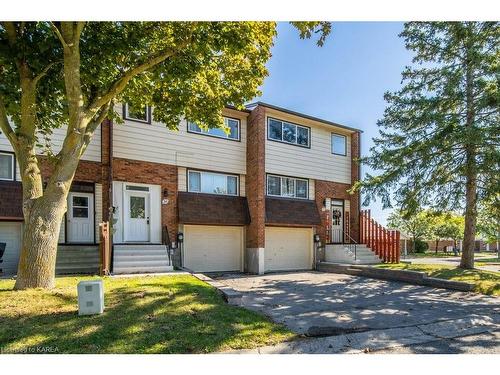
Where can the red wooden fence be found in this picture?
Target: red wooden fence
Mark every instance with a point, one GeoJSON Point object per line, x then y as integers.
{"type": "Point", "coordinates": [382, 241]}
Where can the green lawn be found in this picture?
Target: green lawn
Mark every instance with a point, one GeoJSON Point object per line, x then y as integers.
{"type": "Point", "coordinates": [486, 282]}
{"type": "Point", "coordinates": [441, 254]}
{"type": "Point", "coordinates": [164, 314]}
{"type": "Point", "coordinates": [486, 261]}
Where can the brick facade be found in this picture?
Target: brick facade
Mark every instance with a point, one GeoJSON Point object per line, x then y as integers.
{"type": "Point", "coordinates": [164, 175]}
{"type": "Point", "coordinates": [255, 178]}
{"type": "Point", "coordinates": [333, 190]}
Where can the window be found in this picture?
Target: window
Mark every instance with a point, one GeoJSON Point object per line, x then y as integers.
{"type": "Point", "coordinates": [286, 132]}
{"type": "Point", "coordinates": [80, 207]}
{"type": "Point", "coordinates": [137, 114]}
{"type": "Point", "coordinates": [137, 207]}
{"type": "Point", "coordinates": [232, 125]}
{"type": "Point", "coordinates": [288, 187]}
{"type": "Point", "coordinates": [6, 166]}
{"type": "Point", "coordinates": [339, 144]}
{"type": "Point", "coordinates": [212, 183]}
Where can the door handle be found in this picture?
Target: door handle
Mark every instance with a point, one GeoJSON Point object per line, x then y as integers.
{"type": "Point", "coordinates": [147, 220]}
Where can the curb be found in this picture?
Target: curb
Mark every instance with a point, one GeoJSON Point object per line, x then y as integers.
{"type": "Point", "coordinates": [231, 296]}
{"type": "Point", "coordinates": [411, 277]}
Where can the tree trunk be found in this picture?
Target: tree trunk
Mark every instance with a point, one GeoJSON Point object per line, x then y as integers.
{"type": "Point", "coordinates": [437, 244]}
{"type": "Point", "coordinates": [467, 260]}
{"type": "Point", "coordinates": [37, 261]}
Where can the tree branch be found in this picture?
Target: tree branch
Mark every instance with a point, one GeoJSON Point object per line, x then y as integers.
{"type": "Point", "coordinates": [122, 82]}
{"type": "Point", "coordinates": [58, 34]}
{"type": "Point", "coordinates": [44, 72]}
{"type": "Point", "coordinates": [5, 126]}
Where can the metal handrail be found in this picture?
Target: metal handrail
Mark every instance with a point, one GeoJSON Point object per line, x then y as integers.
{"type": "Point", "coordinates": [350, 244]}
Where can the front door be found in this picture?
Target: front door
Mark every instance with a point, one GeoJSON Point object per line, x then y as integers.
{"type": "Point", "coordinates": [80, 217]}
{"type": "Point", "coordinates": [136, 215]}
{"type": "Point", "coordinates": [337, 221]}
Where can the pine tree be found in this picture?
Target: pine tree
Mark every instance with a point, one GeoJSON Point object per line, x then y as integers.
{"type": "Point", "coordinates": [439, 138]}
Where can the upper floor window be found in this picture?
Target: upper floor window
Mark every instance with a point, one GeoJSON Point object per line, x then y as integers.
{"type": "Point", "coordinates": [142, 114]}
{"type": "Point", "coordinates": [283, 131]}
{"type": "Point", "coordinates": [339, 144]}
{"type": "Point", "coordinates": [289, 187]}
{"type": "Point", "coordinates": [6, 166]}
{"type": "Point", "coordinates": [233, 126]}
{"type": "Point", "coordinates": [212, 183]}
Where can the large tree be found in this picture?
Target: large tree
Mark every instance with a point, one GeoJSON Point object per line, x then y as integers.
{"type": "Point", "coordinates": [439, 139]}
{"type": "Point", "coordinates": [417, 225]}
{"type": "Point", "coordinates": [55, 74]}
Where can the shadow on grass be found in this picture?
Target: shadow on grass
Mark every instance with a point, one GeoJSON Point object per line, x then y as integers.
{"type": "Point", "coordinates": [155, 315]}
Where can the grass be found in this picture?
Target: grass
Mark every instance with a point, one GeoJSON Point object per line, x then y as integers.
{"type": "Point", "coordinates": [487, 261]}
{"type": "Point", "coordinates": [439, 254]}
{"type": "Point", "coordinates": [164, 314]}
{"type": "Point", "coordinates": [486, 282]}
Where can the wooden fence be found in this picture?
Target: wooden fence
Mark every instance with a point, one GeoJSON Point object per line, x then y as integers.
{"type": "Point", "coordinates": [104, 248]}
{"type": "Point", "coordinates": [384, 242]}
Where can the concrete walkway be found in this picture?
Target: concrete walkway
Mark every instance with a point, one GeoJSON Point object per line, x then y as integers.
{"type": "Point", "coordinates": [342, 313]}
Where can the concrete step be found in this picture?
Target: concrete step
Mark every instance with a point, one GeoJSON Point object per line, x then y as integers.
{"type": "Point", "coordinates": [140, 257]}
{"type": "Point", "coordinates": [140, 269]}
{"type": "Point", "coordinates": [137, 247]}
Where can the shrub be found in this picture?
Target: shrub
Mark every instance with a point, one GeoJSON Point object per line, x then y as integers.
{"type": "Point", "coordinates": [421, 246]}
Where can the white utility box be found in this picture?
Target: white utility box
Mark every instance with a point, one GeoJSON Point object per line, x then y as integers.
{"type": "Point", "coordinates": [90, 297]}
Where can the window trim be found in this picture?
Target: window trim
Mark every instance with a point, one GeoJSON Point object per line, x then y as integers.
{"type": "Point", "coordinates": [13, 163]}
{"type": "Point", "coordinates": [282, 176]}
{"type": "Point", "coordinates": [127, 117]}
{"type": "Point", "coordinates": [331, 144]}
{"type": "Point", "coordinates": [309, 132]}
{"type": "Point", "coordinates": [213, 172]}
{"type": "Point", "coordinates": [217, 136]}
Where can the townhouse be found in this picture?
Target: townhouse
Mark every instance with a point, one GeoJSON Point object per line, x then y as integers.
{"type": "Point", "coordinates": [255, 198]}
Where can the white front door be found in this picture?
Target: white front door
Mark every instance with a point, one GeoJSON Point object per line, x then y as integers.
{"type": "Point", "coordinates": [337, 221]}
{"type": "Point", "coordinates": [136, 212]}
{"type": "Point", "coordinates": [80, 217]}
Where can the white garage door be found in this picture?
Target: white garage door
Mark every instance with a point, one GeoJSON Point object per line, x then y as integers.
{"type": "Point", "coordinates": [213, 248]}
{"type": "Point", "coordinates": [10, 233]}
{"type": "Point", "coordinates": [288, 249]}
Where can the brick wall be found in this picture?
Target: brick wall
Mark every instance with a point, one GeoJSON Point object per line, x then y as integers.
{"type": "Point", "coordinates": [87, 171]}
{"type": "Point", "coordinates": [255, 178]}
{"type": "Point", "coordinates": [334, 190]}
{"type": "Point", "coordinates": [164, 175]}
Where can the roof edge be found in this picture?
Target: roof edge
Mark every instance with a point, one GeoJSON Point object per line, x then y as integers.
{"type": "Point", "coordinates": [303, 115]}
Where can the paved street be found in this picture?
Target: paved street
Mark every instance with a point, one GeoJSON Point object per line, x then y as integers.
{"type": "Point", "coordinates": [342, 313]}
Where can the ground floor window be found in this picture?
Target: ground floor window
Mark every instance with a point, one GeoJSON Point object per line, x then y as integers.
{"type": "Point", "coordinates": [6, 166]}
{"type": "Point", "coordinates": [288, 187]}
{"type": "Point", "coordinates": [212, 183]}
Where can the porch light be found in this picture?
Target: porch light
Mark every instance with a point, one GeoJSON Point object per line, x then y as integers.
{"type": "Point", "coordinates": [316, 238]}
{"type": "Point", "coordinates": [165, 193]}
{"type": "Point", "coordinates": [180, 237]}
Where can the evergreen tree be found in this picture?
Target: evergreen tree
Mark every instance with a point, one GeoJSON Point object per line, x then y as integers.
{"type": "Point", "coordinates": [438, 143]}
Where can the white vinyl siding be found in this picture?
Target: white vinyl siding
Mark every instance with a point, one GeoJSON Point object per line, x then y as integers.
{"type": "Point", "coordinates": [316, 162]}
{"type": "Point", "coordinates": [98, 211]}
{"type": "Point", "coordinates": [242, 185]}
{"type": "Point", "coordinates": [155, 143]}
{"type": "Point", "coordinates": [181, 179]}
{"type": "Point", "coordinates": [312, 190]}
{"type": "Point", "coordinates": [92, 153]}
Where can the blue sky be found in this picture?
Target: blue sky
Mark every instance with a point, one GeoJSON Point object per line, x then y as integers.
{"type": "Point", "coordinates": [343, 81]}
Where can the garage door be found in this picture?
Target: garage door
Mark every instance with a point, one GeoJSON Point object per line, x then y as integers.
{"type": "Point", "coordinates": [213, 248]}
{"type": "Point", "coordinates": [10, 233]}
{"type": "Point", "coordinates": [288, 249]}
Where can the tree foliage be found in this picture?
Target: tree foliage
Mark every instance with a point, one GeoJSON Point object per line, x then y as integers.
{"type": "Point", "coordinates": [418, 226]}
{"type": "Point", "coordinates": [439, 139]}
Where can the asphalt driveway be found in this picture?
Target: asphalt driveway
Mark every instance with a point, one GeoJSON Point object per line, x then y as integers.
{"type": "Point", "coordinates": [325, 304]}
